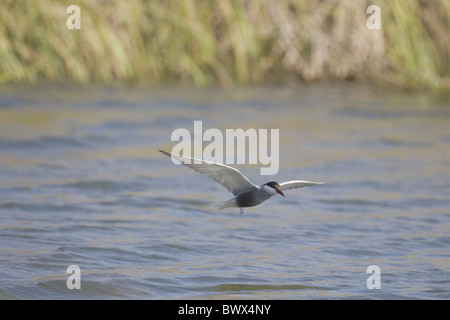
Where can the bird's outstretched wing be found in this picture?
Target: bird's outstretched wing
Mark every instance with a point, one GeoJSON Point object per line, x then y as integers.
{"type": "Point", "coordinates": [297, 184]}
{"type": "Point", "coordinates": [232, 179]}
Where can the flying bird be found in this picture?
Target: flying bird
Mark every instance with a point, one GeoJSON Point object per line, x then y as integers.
{"type": "Point", "coordinates": [246, 193]}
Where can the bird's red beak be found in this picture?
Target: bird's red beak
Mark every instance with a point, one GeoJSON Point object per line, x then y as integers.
{"type": "Point", "coordinates": [280, 192]}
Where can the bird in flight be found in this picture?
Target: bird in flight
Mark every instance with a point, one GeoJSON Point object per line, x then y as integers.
{"type": "Point", "coordinates": [246, 193]}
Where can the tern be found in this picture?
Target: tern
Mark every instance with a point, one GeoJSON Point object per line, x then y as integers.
{"type": "Point", "coordinates": [246, 193]}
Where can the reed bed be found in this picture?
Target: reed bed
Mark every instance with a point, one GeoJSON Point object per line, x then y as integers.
{"type": "Point", "coordinates": [226, 42]}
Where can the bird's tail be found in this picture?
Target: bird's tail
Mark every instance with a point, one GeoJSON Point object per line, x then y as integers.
{"type": "Point", "coordinates": [228, 205]}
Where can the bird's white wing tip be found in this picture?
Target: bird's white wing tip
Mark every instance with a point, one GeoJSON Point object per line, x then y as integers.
{"type": "Point", "coordinates": [182, 159]}
{"type": "Point", "coordinates": [313, 182]}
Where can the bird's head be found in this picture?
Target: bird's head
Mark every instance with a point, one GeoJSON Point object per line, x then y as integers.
{"type": "Point", "coordinates": [273, 188]}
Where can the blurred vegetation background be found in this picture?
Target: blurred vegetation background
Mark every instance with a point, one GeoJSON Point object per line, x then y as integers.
{"type": "Point", "coordinates": [226, 42]}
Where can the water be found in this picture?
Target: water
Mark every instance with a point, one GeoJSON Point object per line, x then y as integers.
{"type": "Point", "coordinates": [82, 183]}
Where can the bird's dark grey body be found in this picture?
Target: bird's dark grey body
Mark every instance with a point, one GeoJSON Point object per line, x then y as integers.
{"type": "Point", "coordinates": [252, 198]}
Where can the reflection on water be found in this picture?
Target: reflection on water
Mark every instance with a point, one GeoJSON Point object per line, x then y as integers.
{"type": "Point", "coordinates": [82, 182]}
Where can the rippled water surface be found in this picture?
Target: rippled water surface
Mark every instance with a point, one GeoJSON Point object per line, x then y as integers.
{"type": "Point", "coordinates": [82, 183]}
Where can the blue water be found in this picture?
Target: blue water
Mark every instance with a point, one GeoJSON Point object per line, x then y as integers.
{"type": "Point", "coordinates": [82, 183]}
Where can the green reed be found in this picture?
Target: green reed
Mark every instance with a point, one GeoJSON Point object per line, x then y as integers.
{"type": "Point", "coordinates": [227, 42]}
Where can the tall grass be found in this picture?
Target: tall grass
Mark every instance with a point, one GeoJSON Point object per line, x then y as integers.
{"type": "Point", "coordinates": [226, 42]}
